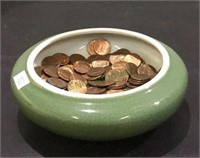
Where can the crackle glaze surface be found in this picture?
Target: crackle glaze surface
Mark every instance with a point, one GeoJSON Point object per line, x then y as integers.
{"type": "Point", "coordinates": [103, 119]}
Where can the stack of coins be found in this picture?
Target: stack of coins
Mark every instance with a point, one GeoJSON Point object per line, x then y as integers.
{"type": "Point", "coordinates": [101, 73]}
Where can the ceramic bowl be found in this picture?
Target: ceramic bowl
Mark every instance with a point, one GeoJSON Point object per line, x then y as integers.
{"type": "Point", "coordinates": [105, 116]}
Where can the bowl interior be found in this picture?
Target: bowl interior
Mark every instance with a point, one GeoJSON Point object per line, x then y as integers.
{"type": "Point", "coordinates": [78, 44]}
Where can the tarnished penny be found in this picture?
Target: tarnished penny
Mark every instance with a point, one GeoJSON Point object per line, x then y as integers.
{"type": "Point", "coordinates": [90, 47]}
{"type": "Point", "coordinates": [131, 59]}
{"type": "Point", "coordinates": [118, 85]}
{"type": "Point", "coordinates": [140, 77]}
{"type": "Point", "coordinates": [132, 68]}
{"type": "Point", "coordinates": [145, 69]}
{"type": "Point", "coordinates": [113, 91]}
{"type": "Point", "coordinates": [136, 82]}
{"type": "Point", "coordinates": [96, 71]}
{"type": "Point", "coordinates": [121, 51]}
{"type": "Point", "coordinates": [101, 83]}
{"type": "Point", "coordinates": [100, 63]}
{"type": "Point", "coordinates": [116, 58]}
{"type": "Point", "coordinates": [63, 58]}
{"type": "Point", "coordinates": [102, 47]}
{"type": "Point", "coordinates": [76, 57]}
{"type": "Point", "coordinates": [65, 75]}
{"type": "Point", "coordinates": [81, 67]}
{"type": "Point", "coordinates": [95, 90]}
{"type": "Point", "coordinates": [51, 71]}
{"type": "Point", "coordinates": [119, 65]}
{"type": "Point", "coordinates": [130, 85]}
{"type": "Point", "coordinates": [39, 70]}
{"type": "Point", "coordinates": [77, 86]}
{"type": "Point", "coordinates": [57, 82]}
{"type": "Point", "coordinates": [50, 61]}
{"type": "Point", "coordinates": [117, 75]}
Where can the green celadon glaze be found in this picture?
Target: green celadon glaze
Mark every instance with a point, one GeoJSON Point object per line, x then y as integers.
{"type": "Point", "coordinates": [103, 119]}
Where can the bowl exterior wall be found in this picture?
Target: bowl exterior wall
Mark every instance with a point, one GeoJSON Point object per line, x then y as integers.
{"type": "Point", "coordinates": [102, 119]}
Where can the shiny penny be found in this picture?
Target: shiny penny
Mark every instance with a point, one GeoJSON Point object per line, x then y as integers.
{"type": "Point", "coordinates": [131, 59]}
{"type": "Point", "coordinates": [102, 47]}
{"type": "Point", "coordinates": [77, 86]}
{"type": "Point", "coordinates": [90, 47]}
{"type": "Point", "coordinates": [113, 91]}
{"type": "Point", "coordinates": [100, 63]}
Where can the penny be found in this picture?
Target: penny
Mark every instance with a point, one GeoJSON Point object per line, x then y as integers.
{"type": "Point", "coordinates": [119, 65]}
{"type": "Point", "coordinates": [81, 67]}
{"type": "Point", "coordinates": [51, 71]}
{"type": "Point", "coordinates": [69, 68]}
{"type": "Point", "coordinates": [113, 91]}
{"type": "Point", "coordinates": [76, 57]}
{"type": "Point", "coordinates": [76, 76]}
{"type": "Point", "coordinates": [63, 58]}
{"type": "Point", "coordinates": [132, 68]}
{"type": "Point", "coordinates": [44, 77]}
{"type": "Point", "coordinates": [77, 86]}
{"type": "Point", "coordinates": [100, 63]}
{"type": "Point", "coordinates": [116, 58]}
{"type": "Point", "coordinates": [145, 69]}
{"type": "Point", "coordinates": [136, 82]}
{"type": "Point", "coordinates": [131, 59]}
{"type": "Point", "coordinates": [95, 90]}
{"type": "Point", "coordinates": [39, 70]}
{"type": "Point", "coordinates": [130, 85]}
{"type": "Point", "coordinates": [92, 58]}
{"type": "Point", "coordinates": [117, 75]}
{"type": "Point", "coordinates": [96, 71]}
{"type": "Point", "coordinates": [139, 57]}
{"type": "Point", "coordinates": [102, 46]}
{"type": "Point", "coordinates": [90, 47]}
{"type": "Point", "coordinates": [63, 74]}
{"type": "Point", "coordinates": [57, 82]}
{"type": "Point", "coordinates": [122, 51]}
{"type": "Point", "coordinates": [140, 77]}
{"type": "Point", "coordinates": [50, 61]}
{"type": "Point", "coordinates": [118, 85]}
{"type": "Point", "coordinates": [101, 83]}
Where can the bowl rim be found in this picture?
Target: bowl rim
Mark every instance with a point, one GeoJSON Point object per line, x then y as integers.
{"type": "Point", "coordinates": [55, 38]}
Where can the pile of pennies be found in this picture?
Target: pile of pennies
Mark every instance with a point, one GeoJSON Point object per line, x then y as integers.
{"type": "Point", "coordinates": [101, 73]}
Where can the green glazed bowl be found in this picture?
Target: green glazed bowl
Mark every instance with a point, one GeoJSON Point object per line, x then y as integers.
{"type": "Point", "coordinates": [105, 116]}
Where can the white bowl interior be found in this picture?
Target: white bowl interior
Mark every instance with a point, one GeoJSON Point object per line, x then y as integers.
{"type": "Point", "coordinates": [76, 41]}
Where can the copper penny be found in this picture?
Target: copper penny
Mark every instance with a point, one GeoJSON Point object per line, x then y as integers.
{"type": "Point", "coordinates": [69, 68]}
{"type": "Point", "coordinates": [140, 77]}
{"type": "Point", "coordinates": [77, 86]}
{"type": "Point", "coordinates": [145, 69]}
{"type": "Point", "coordinates": [131, 59]}
{"type": "Point", "coordinates": [132, 68]}
{"type": "Point", "coordinates": [81, 67]}
{"type": "Point", "coordinates": [116, 58]}
{"type": "Point", "coordinates": [117, 75]}
{"type": "Point", "coordinates": [51, 71]}
{"type": "Point", "coordinates": [102, 46]}
{"type": "Point", "coordinates": [76, 57]}
{"type": "Point", "coordinates": [50, 61]}
{"type": "Point", "coordinates": [65, 75]}
{"type": "Point", "coordinates": [57, 82]}
{"type": "Point", "coordinates": [93, 72]}
{"type": "Point", "coordinates": [100, 63]}
{"type": "Point", "coordinates": [95, 90]}
{"type": "Point", "coordinates": [136, 82]}
{"type": "Point", "coordinates": [118, 85]}
{"type": "Point", "coordinates": [76, 76]}
{"type": "Point", "coordinates": [90, 47]}
{"type": "Point", "coordinates": [119, 65]}
{"type": "Point", "coordinates": [63, 58]}
{"type": "Point", "coordinates": [101, 83]}
{"type": "Point", "coordinates": [39, 70]}
{"type": "Point", "coordinates": [130, 85]}
{"type": "Point", "coordinates": [121, 51]}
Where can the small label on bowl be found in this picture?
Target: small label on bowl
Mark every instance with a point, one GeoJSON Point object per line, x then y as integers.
{"type": "Point", "coordinates": [21, 80]}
